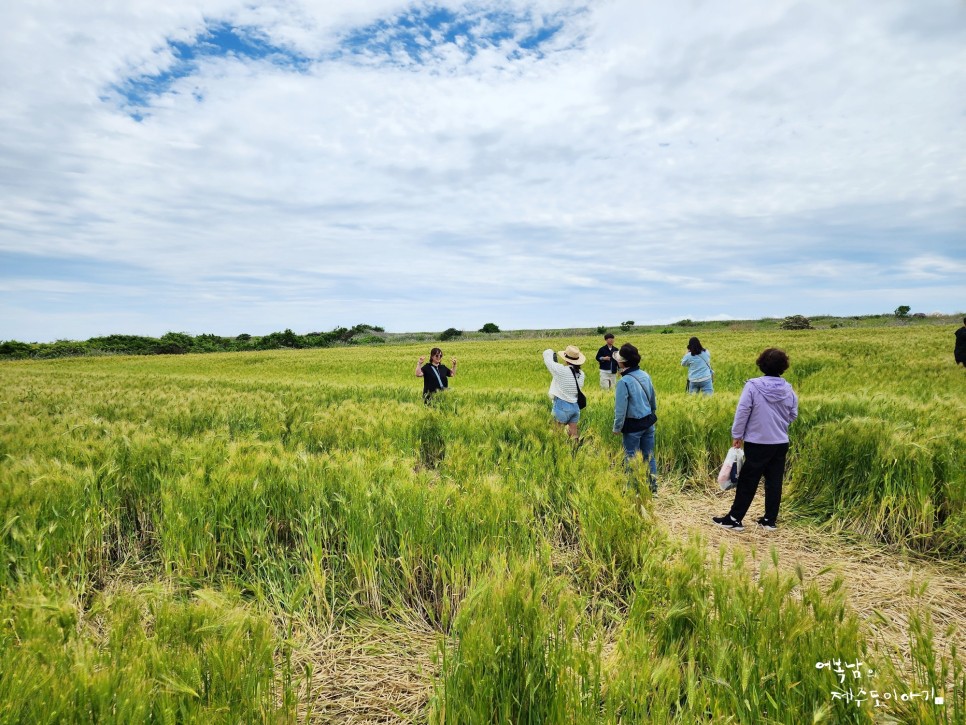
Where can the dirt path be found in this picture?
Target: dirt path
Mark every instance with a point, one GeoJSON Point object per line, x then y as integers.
{"type": "Point", "coordinates": [876, 579]}
{"type": "Point", "coordinates": [379, 672]}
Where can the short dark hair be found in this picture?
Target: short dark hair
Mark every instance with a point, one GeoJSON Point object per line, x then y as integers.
{"type": "Point", "coordinates": [630, 354]}
{"type": "Point", "coordinates": [435, 351]}
{"type": "Point", "coordinates": [772, 361]}
{"type": "Point", "coordinates": [695, 347]}
{"type": "Point", "coordinates": [610, 335]}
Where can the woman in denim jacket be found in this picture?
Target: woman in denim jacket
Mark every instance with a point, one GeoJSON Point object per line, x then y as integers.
{"type": "Point", "coordinates": [698, 362]}
{"type": "Point", "coordinates": [634, 400]}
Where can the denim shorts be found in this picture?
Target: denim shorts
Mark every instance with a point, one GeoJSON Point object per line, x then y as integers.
{"type": "Point", "coordinates": [565, 412]}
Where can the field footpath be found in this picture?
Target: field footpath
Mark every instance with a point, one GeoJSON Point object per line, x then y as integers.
{"type": "Point", "coordinates": [883, 585]}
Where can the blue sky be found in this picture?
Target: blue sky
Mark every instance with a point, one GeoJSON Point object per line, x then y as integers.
{"type": "Point", "coordinates": [227, 167]}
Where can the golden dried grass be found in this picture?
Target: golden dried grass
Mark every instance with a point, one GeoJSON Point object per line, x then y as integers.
{"type": "Point", "coordinates": [883, 585]}
{"type": "Point", "coordinates": [366, 672]}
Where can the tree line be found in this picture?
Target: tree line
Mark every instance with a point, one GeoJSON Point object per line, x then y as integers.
{"type": "Point", "coordinates": [180, 343]}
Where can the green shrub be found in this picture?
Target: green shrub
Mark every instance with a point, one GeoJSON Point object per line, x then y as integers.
{"type": "Point", "coordinates": [796, 322]}
{"type": "Point", "coordinates": [15, 349]}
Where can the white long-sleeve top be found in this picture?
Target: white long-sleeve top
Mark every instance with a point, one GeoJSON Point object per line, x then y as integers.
{"type": "Point", "coordinates": [562, 385]}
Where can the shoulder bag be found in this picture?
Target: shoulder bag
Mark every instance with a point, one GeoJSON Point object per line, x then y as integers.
{"type": "Point", "coordinates": [581, 398]}
{"type": "Point", "coordinates": [635, 425]}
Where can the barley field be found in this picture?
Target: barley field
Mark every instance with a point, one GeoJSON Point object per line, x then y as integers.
{"type": "Point", "coordinates": [293, 536]}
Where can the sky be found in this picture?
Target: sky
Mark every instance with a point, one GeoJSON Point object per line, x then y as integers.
{"type": "Point", "coordinates": [215, 166]}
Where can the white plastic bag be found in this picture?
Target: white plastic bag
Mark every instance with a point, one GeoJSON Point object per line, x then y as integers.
{"type": "Point", "coordinates": [728, 475]}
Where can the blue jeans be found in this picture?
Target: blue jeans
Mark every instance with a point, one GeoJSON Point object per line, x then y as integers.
{"type": "Point", "coordinates": [701, 386]}
{"type": "Point", "coordinates": [642, 442]}
{"type": "Point", "coordinates": [565, 412]}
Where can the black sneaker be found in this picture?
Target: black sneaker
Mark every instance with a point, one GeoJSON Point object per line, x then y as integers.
{"type": "Point", "coordinates": [766, 524]}
{"type": "Point", "coordinates": [727, 522]}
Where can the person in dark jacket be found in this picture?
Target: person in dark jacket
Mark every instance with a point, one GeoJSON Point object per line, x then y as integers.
{"type": "Point", "coordinates": [766, 408]}
{"type": "Point", "coordinates": [608, 365]}
{"type": "Point", "coordinates": [959, 352]}
{"type": "Point", "coordinates": [435, 375]}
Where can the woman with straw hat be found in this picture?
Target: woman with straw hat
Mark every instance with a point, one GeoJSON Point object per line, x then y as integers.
{"type": "Point", "coordinates": [565, 385]}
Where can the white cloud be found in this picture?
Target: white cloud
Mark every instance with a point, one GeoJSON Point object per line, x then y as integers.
{"type": "Point", "coordinates": [658, 150]}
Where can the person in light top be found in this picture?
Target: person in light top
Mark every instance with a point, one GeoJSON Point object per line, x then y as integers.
{"type": "Point", "coordinates": [698, 362]}
{"type": "Point", "coordinates": [566, 381]}
{"type": "Point", "coordinates": [766, 409]}
{"type": "Point", "coordinates": [635, 411]}
{"type": "Point", "coordinates": [435, 375]}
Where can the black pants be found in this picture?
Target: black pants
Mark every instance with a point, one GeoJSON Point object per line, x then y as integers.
{"type": "Point", "coordinates": [766, 459]}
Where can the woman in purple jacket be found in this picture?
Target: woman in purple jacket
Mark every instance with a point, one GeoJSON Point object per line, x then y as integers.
{"type": "Point", "coordinates": [766, 408]}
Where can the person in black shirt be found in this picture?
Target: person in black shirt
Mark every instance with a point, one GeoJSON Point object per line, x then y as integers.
{"type": "Point", "coordinates": [960, 350]}
{"type": "Point", "coordinates": [608, 366]}
{"type": "Point", "coordinates": [434, 374]}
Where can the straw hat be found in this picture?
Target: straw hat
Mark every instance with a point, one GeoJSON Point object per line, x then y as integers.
{"type": "Point", "coordinates": [571, 356]}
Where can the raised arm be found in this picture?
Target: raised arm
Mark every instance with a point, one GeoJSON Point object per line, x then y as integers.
{"type": "Point", "coordinates": [452, 370]}
{"type": "Point", "coordinates": [419, 366]}
{"type": "Point", "coordinates": [548, 360]}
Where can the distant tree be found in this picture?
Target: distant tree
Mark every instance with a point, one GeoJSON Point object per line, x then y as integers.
{"type": "Point", "coordinates": [902, 311]}
{"type": "Point", "coordinates": [209, 342]}
{"type": "Point", "coordinates": [276, 340]}
{"type": "Point", "coordinates": [667, 331]}
{"type": "Point", "coordinates": [627, 325]}
{"type": "Point", "coordinates": [124, 344]}
{"type": "Point", "coordinates": [449, 333]}
{"type": "Point", "coordinates": [601, 330]}
{"type": "Point", "coordinates": [244, 337]}
{"type": "Point", "coordinates": [363, 327]}
{"type": "Point", "coordinates": [490, 327]}
{"type": "Point", "coordinates": [796, 322]}
{"type": "Point", "coordinates": [61, 348]}
{"type": "Point", "coordinates": [344, 334]}
{"type": "Point", "coordinates": [15, 349]}
{"type": "Point", "coordinates": [686, 322]}
{"type": "Point", "coordinates": [171, 340]}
